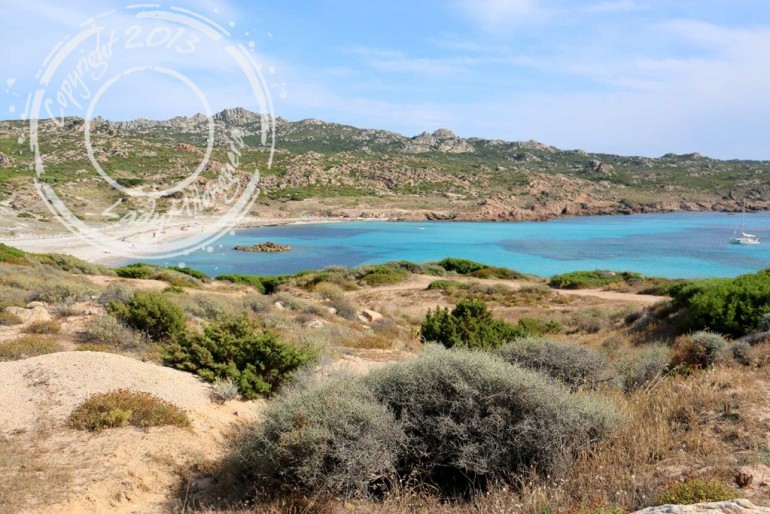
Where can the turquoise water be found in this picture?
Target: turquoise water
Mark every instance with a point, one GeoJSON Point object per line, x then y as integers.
{"type": "Point", "coordinates": [686, 245]}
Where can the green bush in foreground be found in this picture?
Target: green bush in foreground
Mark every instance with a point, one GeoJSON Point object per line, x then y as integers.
{"type": "Point", "coordinates": [697, 491]}
{"type": "Point", "coordinates": [257, 361]}
{"type": "Point", "coordinates": [152, 313]}
{"type": "Point", "coordinates": [451, 421]}
{"type": "Point", "coordinates": [122, 407]}
{"type": "Point", "coordinates": [574, 365]}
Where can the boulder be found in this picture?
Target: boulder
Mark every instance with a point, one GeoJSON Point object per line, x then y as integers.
{"type": "Point", "coordinates": [726, 507]}
{"type": "Point", "coordinates": [32, 315]}
{"type": "Point", "coordinates": [279, 306]}
{"type": "Point", "coordinates": [371, 316]}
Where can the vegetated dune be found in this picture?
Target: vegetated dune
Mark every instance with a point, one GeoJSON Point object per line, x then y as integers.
{"type": "Point", "coordinates": [119, 470]}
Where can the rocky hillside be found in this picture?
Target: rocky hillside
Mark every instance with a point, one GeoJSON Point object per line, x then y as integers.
{"type": "Point", "coordinates": [326, 169]}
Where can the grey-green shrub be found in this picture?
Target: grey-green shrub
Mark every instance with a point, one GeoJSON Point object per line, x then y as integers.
{"type": "Point", "coordinates": [333, 439]}
{"type": "Point", "coordinates": [574, 365]}
{"type": "Point", "coordinates": [151, 312]}
{"type": "Point", "coordinates": [110, 331]}
{"type": "Point", "coordinates": [470, 417]}
{"type": "Point", "coordinates": [742, 353]}
{"type": "Point", "coordinates": [699, 351]}
{"type": "Point", "coordinates": [649, 365]}
{"type": "Point", "coordinates": [115, 292]}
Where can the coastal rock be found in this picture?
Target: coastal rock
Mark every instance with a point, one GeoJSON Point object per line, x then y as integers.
{"type": "Point", "coordinates": [267, 246]}
{"type": "Point", "coordinates": [35, 314]}
{"type": "Point", "coordinates": [726, 507]}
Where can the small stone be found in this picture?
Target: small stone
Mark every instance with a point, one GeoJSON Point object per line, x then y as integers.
{"type": "Point", "coordinates": [279, 306]}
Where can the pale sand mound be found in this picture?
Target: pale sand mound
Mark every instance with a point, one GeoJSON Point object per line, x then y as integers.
{"type": "Point", "coordinates": [117, 470]}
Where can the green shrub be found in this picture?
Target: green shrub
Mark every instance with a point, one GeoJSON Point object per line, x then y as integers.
{"type": "Point", "coordinates": [697, 491]}
{"type": "Point", "coordinates": [470, 324]}
{"type": "Point", "coordinates": [13, 255]}
{"type": "Point", "coordinates": [444, 284]}
{"type": "Point", "coordinates": [111, 332]}
{"type": "Point", "coordinates": [72, 264]}
{"type": "Point", "coordinates": [649, 365]}
{"type": "Point", "coordinates": [333, 439]}
{"type": "Point", "coordinates": [264, 284]}
{"type": "Point", "coordinates": [191, 272]}
{"type": "Point", "coordinates": [470, 417]}
{"type": "Point", "coordinates": [574, 365]}
{"type": "Point", "coordinates": [135, 270]}
{"type": "Point", "coordinates": [382, 274]}
{"type": "Point", "coordinates": [698, 351]}
{"type": "Point", "coordinates": [734, 307]}
{"type": "Point", "coordinates": [593, 279]}
{"type": "Point", "coordinates": [27, 346]}
{"type": "Point", "coordinates": [257, 361]}
{"type": "Point", "coordinates": [461, 266]}
{"type": "Point", "coordinates": [122, 407]}
{"type": "Point", "coordinates": [152, 313]}
{"type": "Point", "coordinates": [7, 319]}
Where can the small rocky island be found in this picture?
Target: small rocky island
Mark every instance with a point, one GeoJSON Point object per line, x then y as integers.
{"type": "Point", "coordinates": [267, 246]}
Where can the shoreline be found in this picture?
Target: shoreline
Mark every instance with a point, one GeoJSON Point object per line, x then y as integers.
{"type": "Point", "coordinates": [75, 245]}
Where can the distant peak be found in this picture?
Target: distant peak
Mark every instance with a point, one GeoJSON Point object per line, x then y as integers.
{"type": "Point", "coordinates": [444, 133]}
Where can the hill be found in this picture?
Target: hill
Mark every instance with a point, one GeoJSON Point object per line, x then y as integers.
{"type": "Point", "coordinates": [325, 169]}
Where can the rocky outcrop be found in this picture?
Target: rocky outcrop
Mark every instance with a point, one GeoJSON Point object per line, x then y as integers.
{"type": "Point", "coordinates": [599, 168]}
{"type": "Point", "coordinates": [31, 315]}
{"type": "Point", "coordinates": [725, 507]}
{"type": "Point", "coordinates": [442, 140]}
{"type": "Point", "coordinates": [267, 246]}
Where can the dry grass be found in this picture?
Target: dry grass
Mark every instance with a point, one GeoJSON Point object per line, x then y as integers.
{"type": "Point", "coordinates": [121, 408]}
{"type": "Point", "coordinates": [31, 479]}
{"type": "Point", "coordinates": [28, 346]}
{"type": "Point", "coordinates": [43, 327]}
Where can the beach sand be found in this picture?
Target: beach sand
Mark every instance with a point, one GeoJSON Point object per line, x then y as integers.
{"type": "Point", "coordinates": [52, 237]}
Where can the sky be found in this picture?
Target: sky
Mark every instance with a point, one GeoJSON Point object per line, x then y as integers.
{"type": "Point", "coordinates": [630, 77]}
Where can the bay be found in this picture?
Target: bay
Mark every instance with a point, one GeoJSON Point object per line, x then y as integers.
{"type": "Point", "coordinates": [675, 245]}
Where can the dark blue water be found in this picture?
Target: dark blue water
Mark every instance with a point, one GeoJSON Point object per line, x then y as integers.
{"type": "Point", "coordinates": [686, 245]}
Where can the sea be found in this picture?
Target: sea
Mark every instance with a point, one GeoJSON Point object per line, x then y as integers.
{"type": "Point", "coordinates": [674, 245]}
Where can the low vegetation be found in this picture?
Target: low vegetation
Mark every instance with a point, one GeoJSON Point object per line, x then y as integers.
{"type": "Point", "coordinates": [471, 325]}
{"type": "Point", "coordinates": [152, 313]}
{"type": "Point", "coordinates": [25, 347]}
{"type": "Point", "coordinates": [452, 421]}
{"type": "Point", "coordinates": [573, 365]}
{"type": "Point", "coordinates": [256, 360]}
{"type": "Point", "coordinates": [697, 491]}
{"type": "Point", "coordinates": [122, 408]}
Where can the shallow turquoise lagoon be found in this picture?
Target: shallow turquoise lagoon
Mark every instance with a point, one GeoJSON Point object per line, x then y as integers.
{"type": "Point", "coordinates": [685, 245]}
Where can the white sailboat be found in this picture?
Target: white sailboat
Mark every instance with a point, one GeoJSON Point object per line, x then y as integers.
{"type": "Point", "coordinates": [744, 238]}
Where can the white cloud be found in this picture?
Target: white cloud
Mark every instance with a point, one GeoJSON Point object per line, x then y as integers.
{"type": "Point", "coordinates": [492, 14]}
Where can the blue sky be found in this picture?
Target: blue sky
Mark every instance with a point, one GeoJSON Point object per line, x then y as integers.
{"type": "Point", "coordinates": [635, 77]}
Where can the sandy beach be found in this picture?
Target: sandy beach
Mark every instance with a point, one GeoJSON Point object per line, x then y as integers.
{"type": "Point", "coordinates": [52, 237]}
